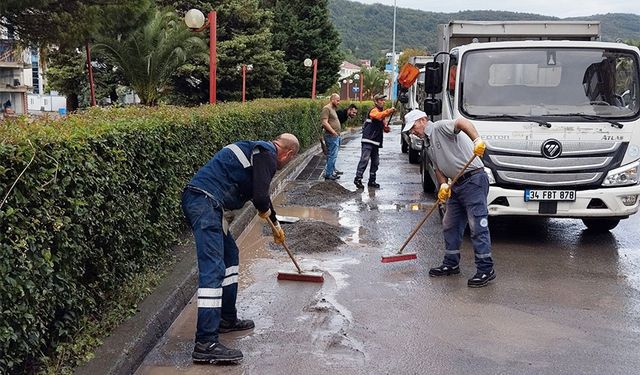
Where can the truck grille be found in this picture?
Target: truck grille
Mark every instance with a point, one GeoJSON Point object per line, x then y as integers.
{"type": "Point", "coordinates": [580, 165]}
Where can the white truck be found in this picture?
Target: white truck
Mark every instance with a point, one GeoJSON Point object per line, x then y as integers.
{"type": "Point", "coordinates": [558, 109]}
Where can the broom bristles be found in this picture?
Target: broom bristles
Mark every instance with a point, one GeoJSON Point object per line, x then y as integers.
{"type": "Point", "coordinates": [314, 277]}
{"type": "Point", "coordinates": [399, 257]}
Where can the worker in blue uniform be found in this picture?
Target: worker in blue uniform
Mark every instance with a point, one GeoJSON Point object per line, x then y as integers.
{"type": "Point", "coordinates": [236, 174]}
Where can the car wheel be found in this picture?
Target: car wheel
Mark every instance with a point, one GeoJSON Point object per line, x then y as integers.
{"type": "Point", "coordinates": [414, 156]}
{"type": "Point", "coordinates": [428, 186]}
{"type": "Point", "coordinates": [404, 147]}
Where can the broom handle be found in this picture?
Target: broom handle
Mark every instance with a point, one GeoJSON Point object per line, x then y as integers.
{"type": "Point", "coordinates": [284, 244]}
{"type": "Point", "coordinates": [435, 205]}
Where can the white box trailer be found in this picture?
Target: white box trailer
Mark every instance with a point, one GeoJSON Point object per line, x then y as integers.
{"type": "Point", "coordinates": [561, 118]}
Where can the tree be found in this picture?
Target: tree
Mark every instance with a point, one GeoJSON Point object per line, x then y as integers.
{"type": "Point", "coordinates": [148, 56]}
{"type": "Point", "coordinates": [408, 53]}
{"type": "Point", "coordinates": [243, 37]}
{"type": "Point", "coordinates": [372, 82]}
{"type": "Point", "coordinates": [303, 30]}
{"type": "Point", "coordinates": [69, 23]}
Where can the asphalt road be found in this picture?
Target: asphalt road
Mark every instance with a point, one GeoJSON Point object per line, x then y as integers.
{"type": "Point", "coordinates": [564, 301]}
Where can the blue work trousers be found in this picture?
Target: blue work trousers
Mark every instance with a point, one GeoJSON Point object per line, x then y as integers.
{"type": "Point", "coordinates": [333, 145]}
{"type": "Point", "coordinates": [369, 152]}
{"type": "Point", "coordinates": [218, 260]}
{"type": "Point", "coordinates": [468, 204]}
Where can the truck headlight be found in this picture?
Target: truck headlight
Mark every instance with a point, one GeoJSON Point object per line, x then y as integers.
{"type": "Point", "coordinates": [623, 176]}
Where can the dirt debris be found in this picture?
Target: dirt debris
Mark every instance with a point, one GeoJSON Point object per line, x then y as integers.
{"type": "Point", "coordinates": [319, 194]}
{"type": "Point", "coordinates": [310, 236]}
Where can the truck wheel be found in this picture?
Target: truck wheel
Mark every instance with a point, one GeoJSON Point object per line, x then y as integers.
{"type": "Point", "coordinates": [427, 184]}
{"type": "Point", "coordinates": [600, 224]}
{"type": "Point", "coordinates": [414, 156]}
{"type": "Point", "coordinates": [404, 147]}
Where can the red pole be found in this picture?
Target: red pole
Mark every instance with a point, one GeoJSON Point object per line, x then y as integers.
{"type": "Point", "coordinates": [212, 57]}
{"type": "Point", "coordinates": [348, 94]}
{"type": "Point", "coordinates": [315, 72]}
{"type": "Point", "coordinates": [244, 81]}
{"type": "Point", "coordinates": [91, 89]}
{"type": "Point", "coordinates": [361, 88]}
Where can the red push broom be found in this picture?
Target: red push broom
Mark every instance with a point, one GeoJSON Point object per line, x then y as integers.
{"type": "Point", "coordinates": [399, 256]}
{"type": "Point", "coordinates": [314, 277]}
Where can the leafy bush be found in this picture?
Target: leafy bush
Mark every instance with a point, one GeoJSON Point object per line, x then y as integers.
{"type": "Point", "coordinates": [99, 201]}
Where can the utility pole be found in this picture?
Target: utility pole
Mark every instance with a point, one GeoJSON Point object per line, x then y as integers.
{"type": "Point", "coordinates": [393, 63]}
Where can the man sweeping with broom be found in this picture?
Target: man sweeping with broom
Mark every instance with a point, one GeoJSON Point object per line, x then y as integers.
{"type": "Point", "coordinates": [466, 199]}
{"type": "Point", "coordinates": [239, 172]}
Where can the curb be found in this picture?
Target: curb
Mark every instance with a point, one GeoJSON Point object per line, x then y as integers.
{"type": "Point", "coordinates": [127, 346]}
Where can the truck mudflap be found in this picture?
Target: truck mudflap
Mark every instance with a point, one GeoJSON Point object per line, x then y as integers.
{"type": "Point", "coordinates": [606, 202]}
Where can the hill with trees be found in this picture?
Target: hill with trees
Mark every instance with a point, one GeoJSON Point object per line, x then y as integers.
{"type": "Point", "coordinates": [366, 30]}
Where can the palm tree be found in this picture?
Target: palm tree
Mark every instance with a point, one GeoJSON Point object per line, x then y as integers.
{"type": "Point", "coordinates": [372, 82]}
{"type": "Point", "coordinates": [148, 56]}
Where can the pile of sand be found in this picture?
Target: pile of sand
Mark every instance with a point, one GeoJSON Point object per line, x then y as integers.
{"type": "Point", "coordinates": [319, 194]}
{"type": "Point", "coordinates": [310, 236]}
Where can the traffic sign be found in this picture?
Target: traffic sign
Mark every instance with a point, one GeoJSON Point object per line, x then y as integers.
{"type": "Point", "coordinates": [355, 89]}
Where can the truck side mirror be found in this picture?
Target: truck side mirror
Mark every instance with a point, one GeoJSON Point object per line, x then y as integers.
{"type": "Point", "coordinates": [433, 78]}
{"type": "Point", "coordinates": [403, 96]}
{"type": "Point", "coordinates": [432, 106]}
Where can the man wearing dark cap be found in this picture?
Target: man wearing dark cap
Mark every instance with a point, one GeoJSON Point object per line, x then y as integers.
{"type": "Point", "coordinates": [372, 130]}
{"type": "Point", "coordinates": [453, 143]}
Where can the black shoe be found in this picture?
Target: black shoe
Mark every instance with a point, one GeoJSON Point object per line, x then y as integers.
{"type": "Point", "coordinates": [373, 184]}
{"type": "Point", "coordinates": [337, 172]}
{"type": "Point", "coordinates": [358, 182]}
{"type": "Point", "coordinates": [214, 352]}
{"type": "Point", "coordinates": [444, 271]}
{"type": "Point", "coordinates": [481, 279]}
{"type": "Point", "coordinates": [238, 325]}
{"type": "Point", "coordinates": [331, 178]}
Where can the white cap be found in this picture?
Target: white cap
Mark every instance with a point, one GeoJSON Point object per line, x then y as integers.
{"type": "Point", "coordinates": [411, 118]}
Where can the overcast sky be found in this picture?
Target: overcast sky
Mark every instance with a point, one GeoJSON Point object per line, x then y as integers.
{"type": "Point", "coordinates": [556, 8]}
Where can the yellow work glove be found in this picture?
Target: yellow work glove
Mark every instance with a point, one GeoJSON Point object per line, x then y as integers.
{"type": "Point", "coordinates": [265, 214]}
{"type": "Point", "coordinates": [479, 146]}
{"type": "Point", "coordinates": [278, 233]}
{"type": "Point", "coordinates": [444, 193]}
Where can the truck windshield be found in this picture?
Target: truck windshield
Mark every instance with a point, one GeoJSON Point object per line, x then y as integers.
{"type": "Point", "coordinates": [563, 82]}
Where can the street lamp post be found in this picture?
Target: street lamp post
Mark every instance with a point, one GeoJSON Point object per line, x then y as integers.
{"type": "Point", "coordinates": [308, 62]}
{"type": "Point", "coordinates": [245, 68]}
{"type": "Point", "coordinates": [90, 69]}
{"type": "Point", "coordinates": [360, 89]}
{"type": "Point", "coordinates": [195, 21]}
{"type": "Point", "coordinates": [393, 74]}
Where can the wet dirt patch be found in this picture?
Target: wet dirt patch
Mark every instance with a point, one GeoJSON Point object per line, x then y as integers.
{"type": "Point", "coordinates": [319, 194]}
{"type": "Point", "coordinates": [310, 236]}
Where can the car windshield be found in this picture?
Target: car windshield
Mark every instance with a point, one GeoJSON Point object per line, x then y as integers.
{"type": "Point", "coordinates": [541, 82]}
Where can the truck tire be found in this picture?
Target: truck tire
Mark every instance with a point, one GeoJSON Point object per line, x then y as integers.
{"type": "Point", "coordinates": [414, 156]}
{"type": "Point", "coordinates": [600, 224]}
{"type": "Point", "coordinates": [428, 186]}
{"type": "Point", "coordinates": [404, 147]}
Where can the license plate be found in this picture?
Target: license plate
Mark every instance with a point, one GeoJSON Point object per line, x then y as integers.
{"type": "Point", "coordinates": [549, 195]}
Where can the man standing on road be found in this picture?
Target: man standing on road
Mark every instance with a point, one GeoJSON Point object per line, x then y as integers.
{"type": "Point", "coordinates": [239, 172]}
{"type": "Point", "coordinates": [331, 125]}
{"type": "Point", "coordinates": [372, 130]}
{"type": "Point", "coordinates": [467, 198]}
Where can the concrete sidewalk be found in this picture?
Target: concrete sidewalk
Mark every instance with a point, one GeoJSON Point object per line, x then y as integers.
{"type": "Point", "coordinates": [126, 347]}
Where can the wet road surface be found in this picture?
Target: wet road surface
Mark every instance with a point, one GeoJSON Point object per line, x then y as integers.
{"type": "Point", "coordinates": [564, 301]}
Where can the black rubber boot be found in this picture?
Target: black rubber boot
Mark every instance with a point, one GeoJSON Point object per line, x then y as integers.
{"type": "Point", "coordinates": [214, 352]}
{"type": "Point", "coordinates": [238, 325]}
{"type": "Point", "coordinates": [358, 182]}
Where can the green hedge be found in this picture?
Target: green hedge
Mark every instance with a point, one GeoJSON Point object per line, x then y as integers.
{"type": "Point", "coordinates": [100, 202]}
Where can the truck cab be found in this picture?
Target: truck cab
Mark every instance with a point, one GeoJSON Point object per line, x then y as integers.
{"type": "Point", "coordinates": [560, 119]}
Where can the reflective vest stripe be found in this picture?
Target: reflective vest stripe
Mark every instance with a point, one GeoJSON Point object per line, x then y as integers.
{"type": "Point", "coordinates": [242, 158]}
